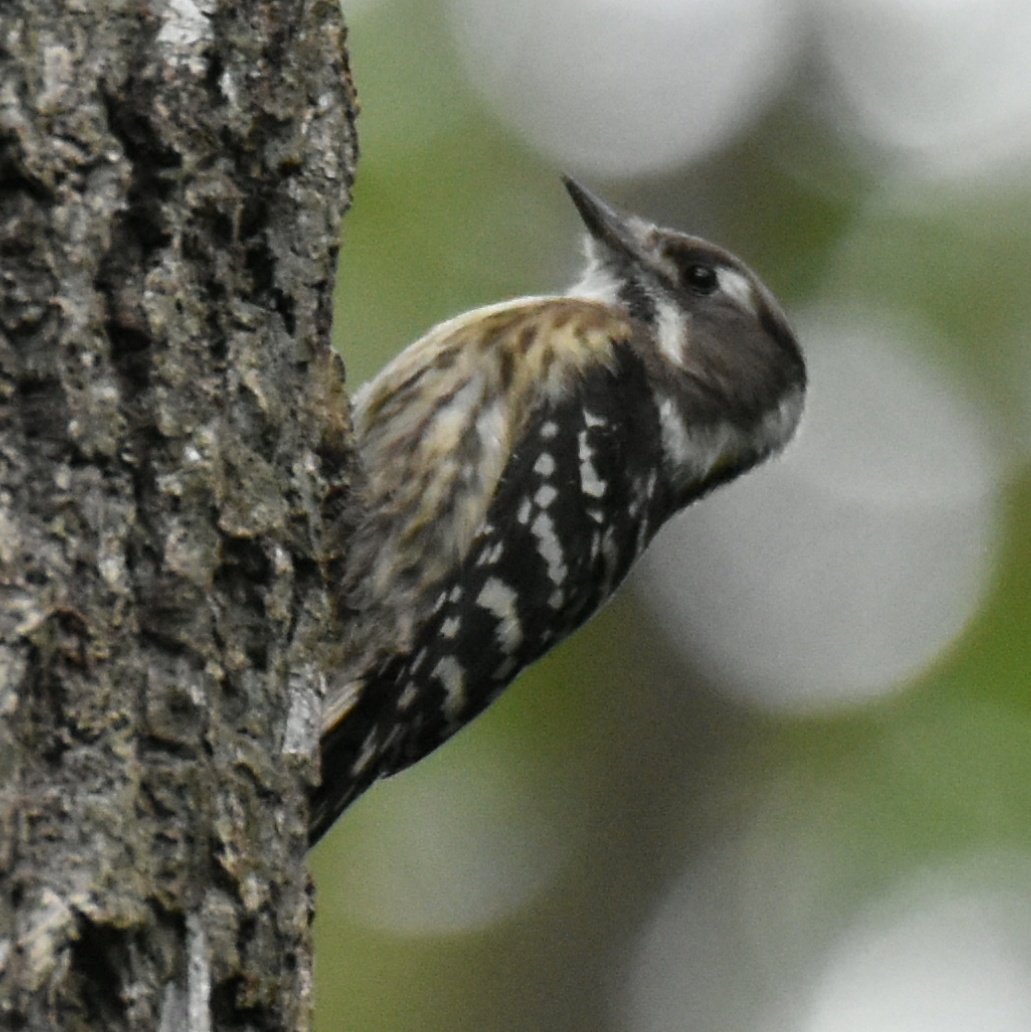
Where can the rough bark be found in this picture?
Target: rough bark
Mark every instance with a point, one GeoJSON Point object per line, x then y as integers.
{"type": "Point", "coordinates": [173, 476]}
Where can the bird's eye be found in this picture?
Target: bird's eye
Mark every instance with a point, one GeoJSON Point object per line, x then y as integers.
{"type": "Point", "coordinates": [701, 278]}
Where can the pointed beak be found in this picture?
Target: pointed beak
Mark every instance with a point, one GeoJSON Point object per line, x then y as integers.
{"type": "Point", "coordinates": [605, 224]}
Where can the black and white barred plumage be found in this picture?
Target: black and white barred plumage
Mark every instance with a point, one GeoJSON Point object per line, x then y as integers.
{"type": "Point", "coordinates": [519, 458]}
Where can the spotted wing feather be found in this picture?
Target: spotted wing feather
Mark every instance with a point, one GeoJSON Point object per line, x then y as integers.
{"type": "Point", "coordinates": [576, 503]}
{"type": "Point", "coordinates": [435, 432]}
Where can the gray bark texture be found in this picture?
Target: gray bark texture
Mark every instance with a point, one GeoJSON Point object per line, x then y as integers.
{"type": "Point", "coordinates": [174, 472]}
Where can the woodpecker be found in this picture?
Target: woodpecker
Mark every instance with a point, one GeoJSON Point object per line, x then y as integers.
{"type": "Point", "coordinates": [518, 458]}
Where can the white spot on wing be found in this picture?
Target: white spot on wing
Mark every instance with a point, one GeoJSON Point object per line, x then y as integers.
{"type": "Point", "coordinates": [451, 675]}
{"type": "Point", "coordinates": [545, 464]}
{"type": "Point", "coordinates": [549, 547]}
{"type": "Point", "coordinates": [545, 496]}
{"type": "Point", "coordinates": [549, 430]}
{"type": "Point", "coordinates": [450, 627]}
{"type": "Point", "coordinates": [499, 599]}
{"type": "Point", "coordinates": [590, 483]}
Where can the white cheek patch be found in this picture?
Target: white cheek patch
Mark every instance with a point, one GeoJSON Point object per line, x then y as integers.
{"type": "Point", "coordinates": [738, 287]}
{"type": "Point", "coordinates": [671, 332]}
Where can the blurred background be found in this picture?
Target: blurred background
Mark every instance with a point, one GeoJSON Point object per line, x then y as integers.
{"type": "Point", "coordinates": [783, 782]}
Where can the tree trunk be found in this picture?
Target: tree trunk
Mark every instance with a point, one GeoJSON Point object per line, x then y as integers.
{"type": "Point", "coordinates": [174, 463]}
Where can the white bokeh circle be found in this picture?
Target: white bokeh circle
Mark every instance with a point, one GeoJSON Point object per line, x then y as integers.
{"type": "Point", "coordinates": [944, 85]}
{"type": "Point", "coordinates": [948, 953]}
{"type": "Point", "coordinates": [946, 950]}
{"type": "Point", "coordinates": [623, 87]}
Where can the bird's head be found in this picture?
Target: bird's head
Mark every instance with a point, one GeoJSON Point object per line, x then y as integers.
{"type": "Point", "coordinates": [716, 335]}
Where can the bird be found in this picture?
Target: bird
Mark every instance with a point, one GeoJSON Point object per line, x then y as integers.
{"type": "Point", "coordinates": [516, 460]}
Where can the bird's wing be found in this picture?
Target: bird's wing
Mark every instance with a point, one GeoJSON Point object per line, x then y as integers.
{"type": "Point", "coordinates": [437, 427]}
{"type": "Point", "coordinates": [577, 499]}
